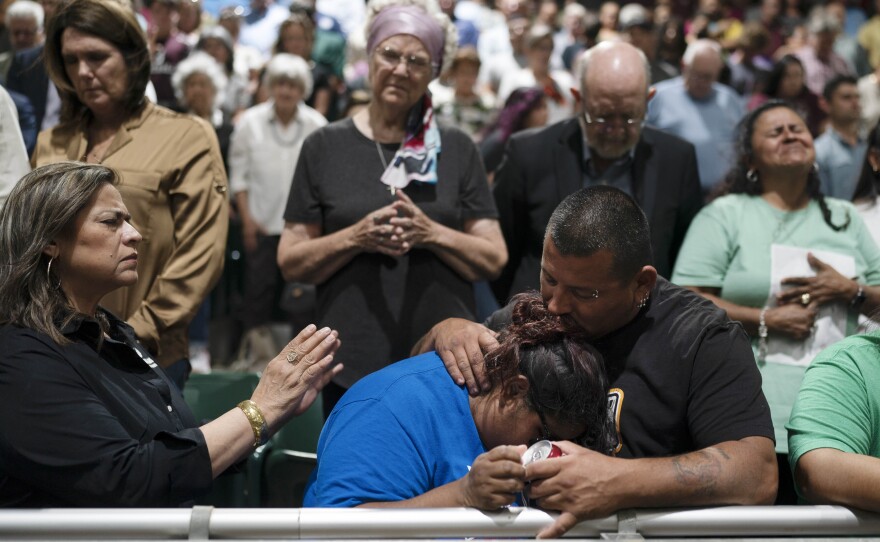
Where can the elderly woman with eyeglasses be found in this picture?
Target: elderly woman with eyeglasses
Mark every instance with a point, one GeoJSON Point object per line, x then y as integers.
{"type": "Point", "coordinates": [409, 436]}
{"type": "Point", "coordinates": [389, 215]}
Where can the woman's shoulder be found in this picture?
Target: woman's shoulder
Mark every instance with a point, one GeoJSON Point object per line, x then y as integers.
{"type": "Point", "coordinates": [167, 124]}
{"type": "Point", "coordinates": [837, 203]}
{"type": "Point", "coordinates": [16, 340]}
{"type": "Point", "coordinates": [841, 209]}
{"type": "Point", "coordinates": [405, 378]}
{"type": "Point", "coordinates": [158, 113]}
{"type": "Point", "coordinates": [338, 136]}
{"type": "Point", "coordinates": [311, 116]}
{"type": "Point", "coordinates": [255, 112]}
{"type": "Point", "coordinates": [855, 351]}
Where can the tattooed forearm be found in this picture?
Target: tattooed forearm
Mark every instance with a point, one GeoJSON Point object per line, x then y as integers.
{"type": "Point", "coordinates": [700, 470]}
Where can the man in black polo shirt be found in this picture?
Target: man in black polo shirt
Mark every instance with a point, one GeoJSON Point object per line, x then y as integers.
{"type": "Point", "coordinates": [693, 426]}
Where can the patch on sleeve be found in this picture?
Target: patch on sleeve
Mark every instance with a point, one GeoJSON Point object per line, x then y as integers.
{"type": "Point", "coordinates": [615, 405]}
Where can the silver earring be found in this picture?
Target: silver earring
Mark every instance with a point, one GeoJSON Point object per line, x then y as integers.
{"type": "Point", "coordinates": [644, 301]}
{"type": "Point", "coordinates": [816, 167]}
{"type": "Point", "coordinates": [49, 273]}
{"type": "Point", "coordinates": [752, 176]}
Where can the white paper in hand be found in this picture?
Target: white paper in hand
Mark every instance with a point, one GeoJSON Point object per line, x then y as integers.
{"type": "Point", "coordinates": [787, 262]}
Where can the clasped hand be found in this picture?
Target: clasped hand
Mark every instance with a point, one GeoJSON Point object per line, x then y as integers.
{"type": "Point", "coordinates": [395, 229]}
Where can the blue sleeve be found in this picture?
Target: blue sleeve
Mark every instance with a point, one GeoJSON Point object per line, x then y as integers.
{"type": "Point", "coordinates": [366, 455]}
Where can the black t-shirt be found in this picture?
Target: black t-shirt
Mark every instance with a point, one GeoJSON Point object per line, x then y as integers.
{"type": "Point", "coordinates": [383, 305]}
{"type": "Point", "coordinates": [683, 377]}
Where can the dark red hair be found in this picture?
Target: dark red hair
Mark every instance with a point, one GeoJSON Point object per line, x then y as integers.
{"type": "Point", "coordinates": [566, 374]}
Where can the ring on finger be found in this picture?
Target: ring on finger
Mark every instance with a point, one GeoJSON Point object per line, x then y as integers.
{"type": "Point", "coordinates": [805, 299]}
{"type": "Point", "coordinates": [292, 357]}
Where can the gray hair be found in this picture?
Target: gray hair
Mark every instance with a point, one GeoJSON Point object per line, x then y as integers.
{"type": "Point", "coordinates": [700, 46]}
{"type": "Point", "coordinates": [583, 64]}
{"type": "Point", "coordinates": [538, 32]}
{"type": "Point", "coordinates": [26, 9]}
{"type": "Point", "coordinates": [574, 10]}
{"type": "Point", "coordinates": [42, 206]}
{"type": "Point", "coordinates": [284, 66]}
{"type": "Point", "coordinates": [821, 20]}
{"type": "Point", "coordinates": [203, 63]}
{"type": "Point", "coordinates": [432, 8]}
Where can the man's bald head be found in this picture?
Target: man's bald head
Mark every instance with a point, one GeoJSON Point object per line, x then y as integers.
{"type": "Point", "coordinates": [614, 80]}
{"type": "Point", "coordinates": [701, 67]}
{"type": "Point", "coordinates": [614, 65]}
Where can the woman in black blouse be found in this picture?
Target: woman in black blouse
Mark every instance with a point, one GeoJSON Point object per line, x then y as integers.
{"type": "Point", "coordinates": [87, 418]}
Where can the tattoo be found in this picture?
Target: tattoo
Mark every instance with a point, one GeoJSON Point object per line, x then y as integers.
{"type": "Point", "coordinates": [699, 471]}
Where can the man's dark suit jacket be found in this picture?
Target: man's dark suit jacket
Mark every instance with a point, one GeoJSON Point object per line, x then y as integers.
{"type": "Point", "coordinates": [27, 75]}
{"type": "Point", "coordinates": [541, 167]}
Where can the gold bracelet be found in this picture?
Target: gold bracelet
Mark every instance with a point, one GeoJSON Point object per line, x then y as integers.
{"type": "Point", "coordinates": [257, 421]}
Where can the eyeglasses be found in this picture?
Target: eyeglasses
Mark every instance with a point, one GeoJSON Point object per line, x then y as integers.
{"type": "Point", "coordinates": [415, 64]}
{"type": "Point", "coordinates": [609, 121]}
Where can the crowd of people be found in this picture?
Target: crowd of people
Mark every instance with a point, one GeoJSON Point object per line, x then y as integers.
{"type": "Point", "coordinates": [665, 217]}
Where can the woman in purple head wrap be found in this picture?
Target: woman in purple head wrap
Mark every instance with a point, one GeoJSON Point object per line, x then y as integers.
{"type": "Point", "coordinates": [390, 215]}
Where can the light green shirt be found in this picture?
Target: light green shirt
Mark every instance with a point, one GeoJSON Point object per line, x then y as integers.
{"type": "Point", "coordinates": [728, 247]}
{"type": "Point", "coordinates": [838, 405]}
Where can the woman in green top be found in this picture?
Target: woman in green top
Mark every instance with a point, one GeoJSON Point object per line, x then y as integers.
{"type": "Point", "coordinates": [770, 201]}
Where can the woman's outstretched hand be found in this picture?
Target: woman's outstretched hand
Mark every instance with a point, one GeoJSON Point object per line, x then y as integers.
{"type": "Point", "coordinates": [291, 381]}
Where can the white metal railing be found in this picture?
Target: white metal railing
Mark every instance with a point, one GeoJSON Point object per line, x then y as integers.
{"type": "Point", "coordinates": [318, 523]}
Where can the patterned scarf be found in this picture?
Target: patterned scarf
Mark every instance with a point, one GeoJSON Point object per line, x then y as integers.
{"type": "Point", "coordinates": [416, 160]}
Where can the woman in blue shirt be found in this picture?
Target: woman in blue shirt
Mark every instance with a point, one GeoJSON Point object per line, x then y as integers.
{"type": "Point", "coordinates": [408, 436]}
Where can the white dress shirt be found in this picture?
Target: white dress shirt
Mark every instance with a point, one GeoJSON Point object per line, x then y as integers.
{"type": "Point", "coordinates": [262, 158]}
{"type": "Point", "coordinates": [13, 156]}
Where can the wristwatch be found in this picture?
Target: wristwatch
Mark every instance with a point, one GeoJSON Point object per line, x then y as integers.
{"type": "Point", "coordinates": [859, 297]}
